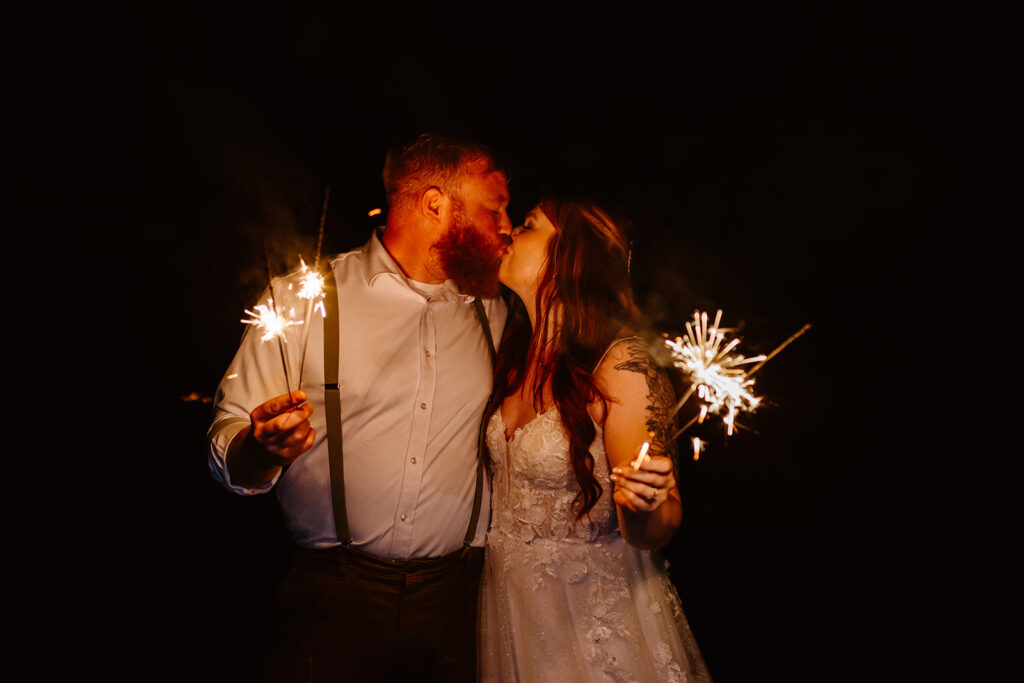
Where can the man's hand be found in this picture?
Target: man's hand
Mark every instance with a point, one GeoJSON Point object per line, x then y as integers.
{"type": "Point", "coordinates": [277, 434]}
{"type": "Point", "coordinates": [280, 429]}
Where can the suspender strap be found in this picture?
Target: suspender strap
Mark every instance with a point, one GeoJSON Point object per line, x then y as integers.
{"type": "Point", "coordinates": [332, 404]}
{"type": "Point", "coordinates": [481, 315]}
{"type": "Point", "coordinates": [479, 494]}
{"type": "Point", "coordinates": [481, 436]}
{"type": "Point", "coordinates": [332, 401]}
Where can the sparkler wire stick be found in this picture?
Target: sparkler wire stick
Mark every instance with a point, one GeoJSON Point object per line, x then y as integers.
{"type": "Point", "coordinates": [280, 342]}
{"type": "Point", "coordinates": [320, 237]}
{"type": "Point", "coordinates": [313, 285]}
{"type": "Point", "coordinates": [686, 396]}
{"type": "Point", "coordinates": [778, 348]}
{"type": "Point", "coordinates": [683, 428]}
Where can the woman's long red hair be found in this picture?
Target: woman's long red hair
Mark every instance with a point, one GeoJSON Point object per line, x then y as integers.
{"type": "Point", "coordinates": [586, 282]}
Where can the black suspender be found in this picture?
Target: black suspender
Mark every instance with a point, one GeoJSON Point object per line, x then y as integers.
{"type": "Point", "coordinates": [481, 315]}
{"type": "Point", "coordinates": [481, 435]}
{"type": "Point", "coordinates": [332, 404]}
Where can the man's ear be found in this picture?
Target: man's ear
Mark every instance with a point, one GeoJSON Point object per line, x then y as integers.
{"type": "Point", "coordinates": [433, 205]}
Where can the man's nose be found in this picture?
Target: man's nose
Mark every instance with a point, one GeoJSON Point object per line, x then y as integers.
{"type": "Point", "coordinates": [505, 225]}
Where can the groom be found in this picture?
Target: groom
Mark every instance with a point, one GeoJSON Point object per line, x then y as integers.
{"type": "Point", "coordinates": [388, 529]}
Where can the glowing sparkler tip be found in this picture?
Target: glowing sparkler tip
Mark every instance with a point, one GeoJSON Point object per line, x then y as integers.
{"type": "Point", "coordinates": [641, 456]}
{"type": "Point", "coordinates": [311, 282]}
{"type": "Point", "coordinates": [698, 446]}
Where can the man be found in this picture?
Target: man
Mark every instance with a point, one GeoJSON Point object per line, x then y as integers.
{"type": "Point", "coordinates": [394, 597]}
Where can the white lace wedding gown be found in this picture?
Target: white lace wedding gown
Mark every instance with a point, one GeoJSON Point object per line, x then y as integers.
{"type": "Point", "coordinates": [571, 602]}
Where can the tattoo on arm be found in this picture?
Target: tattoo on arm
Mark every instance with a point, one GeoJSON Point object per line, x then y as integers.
{"type": "Point", "coordinates": [660, 396]}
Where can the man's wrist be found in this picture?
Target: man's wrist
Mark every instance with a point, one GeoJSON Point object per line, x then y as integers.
{"type": "Point", "coordinates": [258, 453]}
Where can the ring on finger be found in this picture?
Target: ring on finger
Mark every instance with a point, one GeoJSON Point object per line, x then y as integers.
{"type": "Point", "coordinates": [654, 495]}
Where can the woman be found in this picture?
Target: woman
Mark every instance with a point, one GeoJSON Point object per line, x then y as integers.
{"type": "Point", "coordinates": [571, 591]}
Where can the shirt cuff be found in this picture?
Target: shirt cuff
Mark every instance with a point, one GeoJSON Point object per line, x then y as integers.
{"type": "Point", "coordinates": [221, 435]}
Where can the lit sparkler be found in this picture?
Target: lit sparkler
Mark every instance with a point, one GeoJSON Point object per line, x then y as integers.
{"type": "Point", "coordinates": [266, 319]}
{"type": "Point", "coordinates": [313, 285]}
{"type": "Point", "coordinates": [272, 323]}
{"type": "Point", "coordinates": [715, 371]}
{"type": "Point", "coordinates": [641, 456]}
{"type": "Point", "coordinates": [718, 374]}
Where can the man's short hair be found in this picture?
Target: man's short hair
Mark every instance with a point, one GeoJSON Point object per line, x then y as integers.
{"type": "Point", "coordinates": [430, 160]}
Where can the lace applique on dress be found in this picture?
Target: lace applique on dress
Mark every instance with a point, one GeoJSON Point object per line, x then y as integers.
{"type": "Point", "coordinates": [565, 600]}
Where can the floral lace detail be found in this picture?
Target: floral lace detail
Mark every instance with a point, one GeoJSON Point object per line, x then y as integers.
{"type": "Point", "coordinates": [538, 550]}
{"type": "Point", "coordinates": [534, 486]}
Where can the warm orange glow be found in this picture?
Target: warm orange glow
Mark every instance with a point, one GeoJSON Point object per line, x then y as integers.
{"type": "Point", "coordinates": [374, 212]}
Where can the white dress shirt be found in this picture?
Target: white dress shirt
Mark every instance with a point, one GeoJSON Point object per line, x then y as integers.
{"type": "Point", "coordinates": [414, 372]}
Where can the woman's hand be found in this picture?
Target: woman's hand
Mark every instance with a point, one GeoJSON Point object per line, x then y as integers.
{"type": "Point", "coordinates": [637, 409]}
{"type": "Point", "coordinates": [647, 488]}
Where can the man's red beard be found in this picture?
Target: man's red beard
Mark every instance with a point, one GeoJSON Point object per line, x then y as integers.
{"type": "Point", "coordinates": [469, 258]}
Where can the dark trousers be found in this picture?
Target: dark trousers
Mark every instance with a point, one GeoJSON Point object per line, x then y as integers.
{"type": "Point", "coordinates": [344, 615]}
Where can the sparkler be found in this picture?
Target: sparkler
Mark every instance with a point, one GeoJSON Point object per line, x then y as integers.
{"type": "Point", "coordinates": [267, 318]}
{"type": "Point", "coordinates": [715, 371]}
{"type": "Point", "coordinates": [718, 374]}
{"type": "Point", "coordinates": [273, 324]}
{"type": "Point", "coordinates": [313, 285]}
{"type": "Point", "coordinates": [641, 456]}
{"type": "Point", "coordinates": [312, 282]}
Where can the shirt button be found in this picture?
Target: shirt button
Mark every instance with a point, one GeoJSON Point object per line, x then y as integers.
{"type": "Point", "coordinates": [413, 461]}
{"type": "Point", "coordinates": [428, 354]}
{"type": "Point", "coordinates": [404, 517]}
{"type": "Point", "coordinates": [423, 405]}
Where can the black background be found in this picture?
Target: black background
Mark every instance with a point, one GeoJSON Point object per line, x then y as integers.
{"type": "Point", "coordinates": [825, 164]}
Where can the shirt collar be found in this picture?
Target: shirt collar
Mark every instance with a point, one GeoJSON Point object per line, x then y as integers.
{"type": "Point", "coordinates": [380, 263]}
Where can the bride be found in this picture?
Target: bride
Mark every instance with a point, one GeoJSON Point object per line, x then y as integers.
{"type": "Point", "coordinates": [572, 587]}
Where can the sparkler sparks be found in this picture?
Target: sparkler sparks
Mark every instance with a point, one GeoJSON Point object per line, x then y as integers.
{"type": "Point", "coordinates": [312, 288]}
{"type": "Point", "coordinates": [265, 318]}
{"type": "Point", "coordinates": [312, 283]}
{"type": "Point", "coordinates": [698, 447]}
{"type": "Point", "coordinates": [718, 374]}
{"type": "Point", "coordinates": [715, 371]}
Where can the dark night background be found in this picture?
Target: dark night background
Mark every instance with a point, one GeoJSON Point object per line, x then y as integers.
{"type": "Point", "coordinates": [823, 164]}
